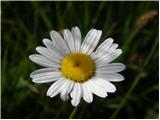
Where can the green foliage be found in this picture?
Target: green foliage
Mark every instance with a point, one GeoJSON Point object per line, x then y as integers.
{"type": "Point", "coordinates": [24, 24]}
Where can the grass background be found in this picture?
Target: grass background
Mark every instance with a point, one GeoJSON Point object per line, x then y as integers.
{"type": "Point", "coordinates": [131, 24]}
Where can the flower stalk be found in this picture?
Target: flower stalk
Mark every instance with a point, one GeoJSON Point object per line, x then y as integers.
{"type": "Point", "coordinates": [73, 112]}
{"type": "Point", "coordinates": [136, 81]}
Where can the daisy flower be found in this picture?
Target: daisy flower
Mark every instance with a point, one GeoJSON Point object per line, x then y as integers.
{"type": "Point", "coordinates": [75, 67]}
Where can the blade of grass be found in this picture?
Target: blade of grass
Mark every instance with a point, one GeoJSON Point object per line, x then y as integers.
{"type": "Point", "coordinates": [42, 14]}
{"type": "Point", "coordinates": [60, 110]}
{"type": "Point", "coordinates": [107, 19]}
{"type": "Point", "coordinates": [136, 81]}
{"type": "Point", "coordinates": [131, 37]}
{"type": "Point", "coordinates": [60, 19]}
{"type": "Point", "coordinates": [82, 112]}
{"type": "Point", "coordinates": [73, 112]}
{"type": "Point", "coordinates": [152, 88]}
{"type": "Point", "coordinates": [69, 7]}
{"type": "Point", "coordinates": [100, 8]}
{"type": "Point", "coordinates": [86, 16]}
{"type": "Point", "coordinates": [124, 99]}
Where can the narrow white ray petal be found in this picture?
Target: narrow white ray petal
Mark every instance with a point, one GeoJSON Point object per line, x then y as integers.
{"type": "Point", "coordinates": [55, 88]}
{"type": "Point", "coordinates": [95, 42]}
{"type": "Point", "coordinates": [104, 46]}
{"type": "Point", "coordinates": [91, 40]}
{"type": "Point", "coordinates": [46, 76]}
{"type": "Point", "coordinates": [77, 38]}
{"type": "Point", "coordinates": [73, 92]}
{"type": "Point", "coordinates": [113, 55]}
{"type": "Point", "coordinates": [113, 47]}
{"type": "Point", "coordinates": [46, 79]}
{"type": "Point", "coordinates": [64, 97]}
{"type": "Point", "coordinates": [65, 89]}
{"type": "Point", "coordinates": [51, 46]}
{"type": "Point", "coordinates": [43, 61]}
{"type": "Point", "coordinates": [94, 56]}
{"type": "Point", "coordinates": [47, 53]}
{"type": "Point", "coordinates": [76, 94]}
{"type": "Point", "coordinates": [110, 68]}
{"type": "Point", "coordinates": [109, 87]}
{"type": "Point", "coordinates": [114, 77]}
{"type": "Point", "coordinates": [70, 87]}
{"type": "Point", "coordinates": [109, 51]}
{"type": "Point", "coordinates": [88, 41]}
{"type": "Point", "coordinates": [87, 94]}
{"type": "Point", "coordinates": [109, 57]}
{"type": "Point", "coordinates": [96, 89]}
{"type": "Point", "coordinates": [60, 42]}
{"type": "Point", "coordinates": [43, 72]}
{"type": "Point", "coordinates": [69, 39]}
{"type": "Point", "coordinates": [98, 55]}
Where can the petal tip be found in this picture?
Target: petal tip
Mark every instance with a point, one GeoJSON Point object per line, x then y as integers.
{"type": "Point", "coordinates": [31, 57]}
{"type": "Point", "coordinates": [38, 48]}
{"type": "Point", "coordinates": [44, 40]}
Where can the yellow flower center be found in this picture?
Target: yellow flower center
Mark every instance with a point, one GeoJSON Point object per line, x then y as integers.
{"type": "Point", "coordinates": [78, 67]}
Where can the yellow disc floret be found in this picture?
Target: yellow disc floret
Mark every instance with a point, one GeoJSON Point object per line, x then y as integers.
{"type": "Point", "coordinates": [78, 67]}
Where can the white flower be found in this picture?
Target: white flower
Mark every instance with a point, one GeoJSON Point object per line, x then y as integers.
{"type": "Point", "coordinates": [76, 68]}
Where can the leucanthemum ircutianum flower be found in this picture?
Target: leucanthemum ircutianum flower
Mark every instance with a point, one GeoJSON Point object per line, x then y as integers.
{"type": "Point", "coordinates": [75, 67]}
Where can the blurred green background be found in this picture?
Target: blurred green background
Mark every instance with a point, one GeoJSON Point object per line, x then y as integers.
{"type": "Point", "coordinates": [133, 25]}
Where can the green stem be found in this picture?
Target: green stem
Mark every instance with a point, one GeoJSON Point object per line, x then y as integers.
{"type": "Point", "coordinates": [151, 54]}
{"type": "Point", "coordinates": [155, 87]}
{"type": "Point", "coordinates": [73, 113]}
{"type": "Point", "coordinates": [124, 99]}
{"type": "Point", "coordinates": [82, 112]}
{"type": "Point", "coordinates": [128, 42]}
{"type": "Point", "coordinates": [136, 81]}
{"type": "Point", "coordinates": [60, 110]}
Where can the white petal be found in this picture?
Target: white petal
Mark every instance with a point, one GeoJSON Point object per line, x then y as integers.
{"type": "Point", "coordinates": [109, 87]}
{"type": "Point", "coordinates": [94, 56]}
{"type": "Point", "coordinates": [77, 38]}
{"type": "Point", "coordinates": [64, 97]}
{"type": "Point", "coordinates": [109, 57]}
{"type": "Point", "coordinates": [87, 94]}
{"type": "Point", "coordinates": [41, 71]}
{"type": "Point", "coordinates": [55, 88]}
{"type": "Point", "coordinates": [98, 55]}
{"type": "Point", "coordinates": [96, 89]}
{"type": "Point", "coordinates": [43, 61]}
{"type": "Point", "coordinates": [46, 79]}
{"type": "Point", "coordinates": [45, 75]}
{"type": "Point", "coordinates": [47, 53]}
{"type": "Point", "coordinates": [114, 77]}
{"type": "Point", "coordinates": [114, 55]}
{"type": "Point", "coordinates": [51, 46]}
{"type": "Point", "coordinates": [91, 40]}
{"type": "Point", "coordinates": [60, 42]}
{"type": "Point", "coordinates": [69, 39]}
{"type": "Point", "coordinates": [76, 94]}
{"type": "Point", "coordinates": [90, 35]}
{"type": "Point", "coordinates": [110, 68]}
{"type": "Point", "coordinates": [113, 47]}
{"type": "Point", "coordinates": [65, 89]}
{"type": "Point", "coordinates": [104, 46]}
